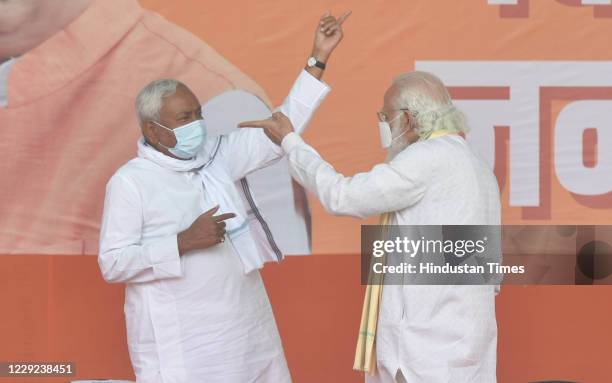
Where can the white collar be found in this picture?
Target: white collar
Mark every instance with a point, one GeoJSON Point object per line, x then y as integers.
{"type": "Point", "coordinates": [200, 160]}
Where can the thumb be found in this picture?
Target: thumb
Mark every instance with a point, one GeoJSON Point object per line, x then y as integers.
{"type": "Point", "coordinates": [212, 211]}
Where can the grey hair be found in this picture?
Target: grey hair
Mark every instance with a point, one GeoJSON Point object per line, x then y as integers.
{"type": "Point", "coordinates": [428, 101]}
{"type": "Point", "coordinates": [149, 99]}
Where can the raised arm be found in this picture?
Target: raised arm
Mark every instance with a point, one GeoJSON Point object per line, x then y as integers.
{"type": "Point", "coordinates": [300, 105]}
{"type": "Point", "coordinates": [328, 35]}
{"type": "Point", "coordinates": [248, 150]}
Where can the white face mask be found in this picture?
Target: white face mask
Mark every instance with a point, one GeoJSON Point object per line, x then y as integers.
{"type": "Point", "coordinates": [386, 137]}
{"type": "Point", "coordinates": [189, 139]}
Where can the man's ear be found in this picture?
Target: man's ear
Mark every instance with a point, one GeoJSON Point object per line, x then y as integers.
{"type": "Point", "coordinates": [409, 118]}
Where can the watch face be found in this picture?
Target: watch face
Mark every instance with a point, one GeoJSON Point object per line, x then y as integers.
{"type": "Point", "coordinates": [312, 61]}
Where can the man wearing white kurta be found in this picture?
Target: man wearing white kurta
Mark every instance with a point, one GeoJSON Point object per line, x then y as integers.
{"type": "Point", "coordinates": [425, 334]}
{"type": "Point", "coordinates": [195, 305]}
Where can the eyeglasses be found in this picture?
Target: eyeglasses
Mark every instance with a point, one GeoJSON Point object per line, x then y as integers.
{"type": "Point", "coordinates": [382, 116]}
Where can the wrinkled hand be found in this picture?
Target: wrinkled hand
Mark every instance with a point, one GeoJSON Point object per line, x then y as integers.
{"type": "Point", "coordinates": [328, 35]}
{"type": "Point", "coordinates": [275, 127]}
{"type": "Point", "coordinates": [207, 230]}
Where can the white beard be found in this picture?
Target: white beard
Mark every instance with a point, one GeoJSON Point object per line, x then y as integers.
{"type": "Point", "coordinates": [396, 148]}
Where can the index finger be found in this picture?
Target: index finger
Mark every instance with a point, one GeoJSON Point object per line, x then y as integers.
{"type": "Point", "coordinates": [254, 124]}
{"type": "Point", "coordinates": [344, 17]}
{"type": "Point", "coordinates": [223, 217]}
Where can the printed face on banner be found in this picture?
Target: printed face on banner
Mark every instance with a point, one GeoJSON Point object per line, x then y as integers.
{"type": "Point", "coordinates": [71, 129]}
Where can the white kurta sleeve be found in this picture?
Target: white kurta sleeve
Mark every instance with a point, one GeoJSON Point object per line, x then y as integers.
{"type": "Point", "coordinates": [123, 258]}
{"type": "Point", "coordinates": [386, 188]}
{"type": "Point", "coordinates": [248, 149]}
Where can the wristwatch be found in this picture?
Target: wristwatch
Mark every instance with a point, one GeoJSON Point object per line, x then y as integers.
{"type": "Point", "coordinates": [312, 62]}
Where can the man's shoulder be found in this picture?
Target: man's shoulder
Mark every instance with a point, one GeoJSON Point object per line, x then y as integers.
{"type": "Point", "coordinates": [435, 154]}
{"type": "Point", "coordinates": [420, 149]}
{"type": "Point", "coordinates": [136, 164]}
{"type": "Point", "coordinates": [133, 170]}
{"type": "Point", "coordinates": [439, 146]}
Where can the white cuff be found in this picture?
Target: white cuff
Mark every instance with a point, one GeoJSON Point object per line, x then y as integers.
{"type": "Point", "coordinates": [290, 141]}
{"type": "Point", "coordinates": [308, 90]}
{"type": "Point", "coordinates": [164, 257]}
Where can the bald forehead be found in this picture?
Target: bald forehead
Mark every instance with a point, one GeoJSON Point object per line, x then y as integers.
{"type": "Point", "coordinates": [182, 95]}
{"type": "Point", "coordinates": [182, 101]}
{"type": "Point", "coordinates": [184, 90]}
{"type": "Point", "coordinates": [424, 83]}
{"type": "Point", "coordinates": [417, 86]}
{"type": "Point", "coordinates": [392, 95]}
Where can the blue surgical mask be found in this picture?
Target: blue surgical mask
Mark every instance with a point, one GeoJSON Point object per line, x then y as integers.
{"type": "Point", "coordinates": [189, 139]}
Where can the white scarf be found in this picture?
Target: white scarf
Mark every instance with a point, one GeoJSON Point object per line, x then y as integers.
{"type": "Point", "coordinates": [221, 189]}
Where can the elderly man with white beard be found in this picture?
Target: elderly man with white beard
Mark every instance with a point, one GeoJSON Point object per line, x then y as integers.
{"type": "Point", "coordinates": [424, 334]}
{"type": "Point", "coordinates": [175, 231]}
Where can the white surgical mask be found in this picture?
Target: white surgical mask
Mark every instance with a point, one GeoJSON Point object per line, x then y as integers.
{"type": "Point", "coordinates": [189, 139]}
{"type": "Point", "coordinates": [386, 137]}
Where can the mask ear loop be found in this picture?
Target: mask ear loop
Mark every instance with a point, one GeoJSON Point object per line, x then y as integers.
{"type": "Point", "coordinates": [401, 134]}
{"type": "Point", "coordinates": [163, 146]}
{"type": "Point", "coordinates": [159, 142]}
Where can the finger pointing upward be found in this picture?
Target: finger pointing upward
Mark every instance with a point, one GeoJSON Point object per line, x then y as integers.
{"type": "Point", "coordinates": [344, 17]}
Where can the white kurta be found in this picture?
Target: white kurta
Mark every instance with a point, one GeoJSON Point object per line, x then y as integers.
{"type": "Point", "coordinates": [195, 318]}
{"type": "Point", "coordinates": [434, 334]}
